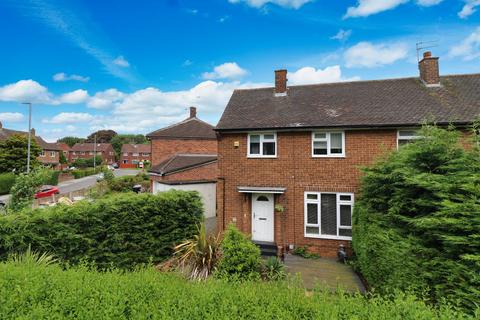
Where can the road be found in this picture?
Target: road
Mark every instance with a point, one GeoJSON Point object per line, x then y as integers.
{"type": "Point", "coordinates": [82, 183]}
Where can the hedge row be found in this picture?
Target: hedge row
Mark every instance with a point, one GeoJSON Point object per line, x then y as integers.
{"type": "Point", "coordinates": [119, 230]}
{"type": "Point", "coordinates": [7, 180]}
{"type": "Point", "coordinates": [29, 291]}
{"type": "Point", "coordinates": [77, 174]}
{"type": "Point", "coordinates": [53, 179]}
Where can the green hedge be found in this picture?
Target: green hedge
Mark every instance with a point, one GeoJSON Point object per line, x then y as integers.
{"type": "Point", "coordinates": [53, 179]}
{"type": "Point", "coordinates": [417, 222]}
{"type": "Point", "coordinates": [119, 230]}
{"type": "Point", "coordinates": [125, 183]}
{"type": "Point", "coordinates": [80, 173]}
{"type": "Point", "coordinates": [7, 180]}
{"type": "Point", "coordinates": [29, 291]}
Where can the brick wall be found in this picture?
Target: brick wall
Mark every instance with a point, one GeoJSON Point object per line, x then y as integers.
{"type": "Point", "coordinates": [296, 170]}
{"type": "Point", "coordinates": [205, 172]}
{"type": "Point", "coordinates": [130, 158]}
{"type": "Point", "coordinates": [48, 159]}
{"type": "Point", "coordinates": [108, 157]}
{"type": "Point", "coordinates": [164, 148]}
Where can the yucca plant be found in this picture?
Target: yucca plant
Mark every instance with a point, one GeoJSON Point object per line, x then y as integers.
{"type": "Point", "coordinates": [33, 257]}
{"type": "Point", "coordinates": [273, 269]}
{"type": "Point", "coordinates": [198, 257]}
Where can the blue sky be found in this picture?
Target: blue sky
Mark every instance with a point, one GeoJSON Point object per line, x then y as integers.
{"type": "Point", "coordinates": [136, 66]}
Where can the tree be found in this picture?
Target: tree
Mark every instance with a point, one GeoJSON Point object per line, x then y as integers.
{"type": "Point", "coordinates": [103, 136]}
{"type": "Point", "coordinates": [121, 139]}
{"type": "Point", "coordinates": [71, 141]}
{"type": "Point", "coordinates": [13, 154]}
{"type": "Point", "coordinates": [63, 159]}
{"type": "Point", "coordinates": [25, 187]}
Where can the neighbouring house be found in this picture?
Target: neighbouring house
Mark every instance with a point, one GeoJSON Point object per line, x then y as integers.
{"type": "Point", "coordinates": [132, 154]}
{"type": "Point", "coordinates": [65, 149]}
{"type": "Point", "coordinates": [289, 157]}
{"type": "Point", "coordinates": [184, 157]}
{"type": "Point", "coordinates": [87, 151]}
{"type": "Point", "coordinates": [50, 154]}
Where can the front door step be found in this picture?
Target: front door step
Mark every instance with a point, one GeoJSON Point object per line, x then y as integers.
{"type": "Point", "coordinates": [268, 249]}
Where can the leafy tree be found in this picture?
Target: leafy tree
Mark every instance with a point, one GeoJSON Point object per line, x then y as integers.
{"type": "Point", "coordinates": [121, 139]}
{"type": "Point", "coordinates": [103, 136]}
{"type": "Point", "coordinates": [417, 222]}
{"type": "Point", "coordinates": [13, 153]}
{"type": "Point", "coordinates": [71, 141]}
{"type": "Point", "coordinates": [25, 187]}
{"type": "Point", "coordinates": [85, 163]}
{"type": "Point", "coordinates": [63, 159]}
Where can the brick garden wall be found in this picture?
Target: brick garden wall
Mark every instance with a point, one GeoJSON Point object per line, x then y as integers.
{"type": "Point", "coordinates": [164, 148]}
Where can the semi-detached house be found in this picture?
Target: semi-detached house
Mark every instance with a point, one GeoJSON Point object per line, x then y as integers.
{"type": "Point", "coordinates": [300, 149]}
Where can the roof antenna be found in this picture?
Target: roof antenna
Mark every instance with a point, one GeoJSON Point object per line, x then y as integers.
{"type": "Point", "coordinates": [422, 45]}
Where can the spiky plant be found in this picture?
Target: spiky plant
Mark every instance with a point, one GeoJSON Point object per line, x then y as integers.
{"type": "Point", "coordinates": [198, 257]}
{"type": "Point", "coordinates": [33, 257]}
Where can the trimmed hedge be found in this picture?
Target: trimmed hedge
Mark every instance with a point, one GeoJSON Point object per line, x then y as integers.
{"type": "Point", "coordinates": [80, 173]}
{"type": "Point", "coordinates": [126, 183]}
{"type": "Point", "coordinates": [7, 180]}
{"type": "Point", "coordinates": [30, 291]}
{"type": "Point", "coordinates": [53, 179]}
{"type": "Point", "coordinates": [120, 230]}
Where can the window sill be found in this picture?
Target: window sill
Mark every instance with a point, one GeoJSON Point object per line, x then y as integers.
{"type": "Point", "coordinates": [261, 157]}
{"type": "Point", "coordinates": [331, 156]}
{"type": "Point", "coordinates": [325, 237]}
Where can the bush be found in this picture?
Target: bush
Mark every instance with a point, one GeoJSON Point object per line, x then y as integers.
{"type": "Point", "coordinates": [240, 257]}
{"type": "Point", "coordinates": [48, 292]}
{"type": "Point", "coordinates": [273, 269]}
{"type": "Point", "coordinates": [417, 222]}
{"type": "Point", "coordinates": [120, 230]}
{"type": "Point", "coordinates": [304, 253]}
{"type": "Point", "coordinates": [7, 180]}
{"type": "Point", "coordinates": [87, 163]}
{"type": "Point", "coordinates": [52, 179]}
{"type": "Point", "coordinates": [77, 174]}
{"type": "Point", "coordinates": [25, 187]}
{"type": "Point", "coordinates": [126, 183]}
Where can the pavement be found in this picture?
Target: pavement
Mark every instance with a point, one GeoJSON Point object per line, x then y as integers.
{"type": "Point", "coordinates": [83, 183]}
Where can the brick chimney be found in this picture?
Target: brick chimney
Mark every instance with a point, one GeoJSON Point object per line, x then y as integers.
{"type": "Point", "coordinates": [281, 82]}
{"type": "Point", "coordinates": [33, 132]}
{"type": "Point", "coordinates": [1, 126]}
{"type": "Point", "coordinates": [193, 112]}
{"type": "Point", "coordinates": [429, 71]}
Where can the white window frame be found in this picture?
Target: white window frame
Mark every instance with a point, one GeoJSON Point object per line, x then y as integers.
{"type": "Point", "coordinates": [52, 154]}
{"type": "Point", "coordinates": [135, 154]}
{"type": "Point", "coordinates": [145, 154]}
{"type": "Point", "coordinates": [262, 140]}
{"type": "Point", "coordinates": [318, 202]}
{"type": "Point", "coordinates": [406, 138]}
{"type": "Point", "coordinates": [42, 154]}
{"type": "Point", "coordinates": [328, 141]}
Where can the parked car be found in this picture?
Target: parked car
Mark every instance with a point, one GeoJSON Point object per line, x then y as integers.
{"type": "Point", "coordinates": [111, 167]}
{"type": "Point", "coordinates": [115, 165]}
{"type": "Point", "coordinates": [46, 191]}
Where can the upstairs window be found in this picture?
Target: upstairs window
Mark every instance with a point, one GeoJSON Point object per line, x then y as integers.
{"type": "Point", "coordinates": [42, 153]}
{"type": "Point", "coordinates": [328, 144]}
{"type": "Point", "coordinates": [135, 154]}
{"type": "Point", "coordinates": [262, 145]}
{"type": "Point", "coordinates": [406, 136]}
{"type": "Point", "coordinates": [52, 154]}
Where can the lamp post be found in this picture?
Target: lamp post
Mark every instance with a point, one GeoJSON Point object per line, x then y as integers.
{"type": "Point", "coordinates": [95, 153]}
{"type": "Point", "coordinates": [29, 133]}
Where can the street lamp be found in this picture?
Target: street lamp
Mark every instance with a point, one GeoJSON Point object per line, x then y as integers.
{"type": "Point", "coordinates": [29, 133]}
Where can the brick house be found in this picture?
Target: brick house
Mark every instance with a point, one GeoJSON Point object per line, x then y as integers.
{"type": "Point", "coordinates": [87, 151]}
{"type": "Point", "coordinates": [65, 148]}
{"type": "Point", "coordinates": [299, 149]}
{"type": "Point", "coordinates": [49, 156]}
{"type": "Point", "coordinates": [184, 157]}
{"type": "Point", "coordinates": [132, 154]}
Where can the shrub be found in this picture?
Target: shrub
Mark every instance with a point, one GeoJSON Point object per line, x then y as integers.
{"type": "Point", "coordinates": [25, 187]}
{"type": "Point", "coordinates": [49, 292]}
{"type": "Point", "coordinates": [77, 174]}
{"type": "Point", "coordinates": [417, 222]}
{"type": "Point", "coordinates": [87, 163]}
{"type": "Point", "coordinates": [273, 269]}
{"type": "Point", "coordinates": [52, 178]}
{"type": "Point", "coordinates": [126, 183]}
{"type": "Point", "coordinates": [240, 257]}
{"type": "Point", "coordinates": [7, 180]}
{"type": "Point", "coordinates": [120, 230]}
{"type": "Point", "coordinates": [303, 252]}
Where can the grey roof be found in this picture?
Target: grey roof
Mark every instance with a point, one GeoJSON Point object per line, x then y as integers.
{"type": "Point", "coordinates": [191, 128]}
{"type": "Point", "coordinates": [393, 102]}
{"type": "Point", "coordinates": [181, 162]}
{"type": "Point", "coordinates": [7, 133]}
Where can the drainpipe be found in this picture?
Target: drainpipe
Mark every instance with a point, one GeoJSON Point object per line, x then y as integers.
{"type": "Point", "coordinates": [223, 203]}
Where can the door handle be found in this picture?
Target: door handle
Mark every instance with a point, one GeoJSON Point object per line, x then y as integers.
{"type": "Point", "coordinates": [264, 219]}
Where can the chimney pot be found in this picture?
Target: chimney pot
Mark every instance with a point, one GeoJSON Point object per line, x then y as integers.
{"type": "Point", "coordinates": [33, 131]}
{"type": "Point", "coordinates": [193, 112]}
{"type": "Point", "coordinates": [281, 82]}
{"type": "Point", "coordinates": [1, 126]}
{"type": "Point", "coordinates": [429, 70]}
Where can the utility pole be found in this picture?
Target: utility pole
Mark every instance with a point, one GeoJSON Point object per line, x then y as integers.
{"type": "Point", "coordinates": [95, 153]}
{"type": "Point", "coordinates": [29, 133]}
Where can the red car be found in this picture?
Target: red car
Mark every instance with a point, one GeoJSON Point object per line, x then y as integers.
{"type": "Point", "coordinates": [46, 191]}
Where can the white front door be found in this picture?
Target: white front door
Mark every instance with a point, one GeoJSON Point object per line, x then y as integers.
{"type": "Point", "coordinates": [262, 217]}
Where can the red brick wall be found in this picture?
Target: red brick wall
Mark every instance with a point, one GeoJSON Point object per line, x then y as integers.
{"type": "Point", "coordinates": [206, 172]}
{"type": "Point", "coordinates": [130, 158]}
{"type": "Point", "coordinates": [107, 158]}
{"type": "Point", "coordinates": [296, 170]}
{"type": "Point", "coordinates": [47, 159]}
{"type": "Point", "coordinates": [164, 148]}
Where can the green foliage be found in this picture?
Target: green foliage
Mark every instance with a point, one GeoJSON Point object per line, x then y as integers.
{"type": "Point", "coordinates": [108, 175]}
{"type": "Point", "coordinates": [240, 257]}
{"type": "Point", "coordinates": [120, 230]}
{"type": "Point", "coordinates": [87, 163]}
{"type": "Point", "coordinates": [273, 269]}
{"type": "Point", "coordinates": [7, 180]}
{"type": "Point", "coordinates": [49, 292]}
{"type": "Point", "coordinates": [303, 252]}
{"type": "Point", "coordinates": [71, 141]}
{"type": "Point", "coordinates": [62, 158]}
{"type": "Point", "coordinates": [417, 223]}
{"type": "Point", "coordinates": [25, 187]}
{"type": "Point", "coordinates": [77, 174]}
{"type": "Point", "coordinates": [51, 177]}
{"type": "Point", "coordinates": [13, 154]}
{"type": "Point", "coordinates": [125, 183]}
{"type": "Point", "coordinates": [103, 136]}
{"type": "Point", "coordinates": [121, 139]}
{"type": "Point", "coordinates": [32, 257]}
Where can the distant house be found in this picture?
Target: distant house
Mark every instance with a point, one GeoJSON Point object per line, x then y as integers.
{"type": "Point", "coordinates": [65, 149]}
{"type": "Point", "coordinates": [184, 156]}
{"type": "Point", "coordinates": [290, 157]}
{"type": "Point", "coordinates": [132, 154]}
{"type": "Point", "coordinates": [50, 154]}
{"type": "Point", "coordinates": [88, 150]}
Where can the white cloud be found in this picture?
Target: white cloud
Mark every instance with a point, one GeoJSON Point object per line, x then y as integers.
{"type": "Point", "coordinates": [469, 8]}
{"type": "Point", "coordinates": [70, 117]}
{"type": "Point", "coordinates": [11, 116]}
{"type": "Point", "coordinates": [469, 48]}
{"type": "Point", "coordinates": [366, 8]}
{"type": "Point", "coordinates": [187, 63]}
{"type": "Point", "coordinates": [105, 99]}
{"type": "Point", "coordinates": [121, 62]}
{"type": "Point", "coordinates": [228, 70]}
{"type": "Point", "coordinates": [342, 35]}
{"type": "Point", "coordinates": [428, 3]}
{"type": "Point", "coordinates": [25, 91]}
{"type": "Point", "coordinates": [366, 54]}
{"type": "Point", "coordinates": [309, 75]}
{"type": "Point", "coordinates": [74, 97]}
{"type": "Point", "coordinates": [61, 76]}
{"type": "Point", "coordinates": [294, 4]}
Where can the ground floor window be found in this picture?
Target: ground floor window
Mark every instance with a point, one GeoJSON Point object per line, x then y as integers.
{"type": "Point", "coordinates": [328, 215]}
{"type": "Point", "coordinates": [125, 161]}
